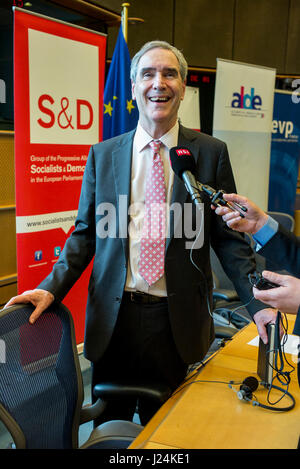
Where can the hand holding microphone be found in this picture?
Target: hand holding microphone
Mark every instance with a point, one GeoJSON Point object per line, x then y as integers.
{"type": "Point", "coordinates": [217, 199]}
{"type": "Point", "coordinates": [255, 220]}
{"type": "Point", "coordinates": [184, 166]}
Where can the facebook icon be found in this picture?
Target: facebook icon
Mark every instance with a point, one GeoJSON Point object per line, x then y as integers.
{"type": "Point", "coordinates": [38, 255]}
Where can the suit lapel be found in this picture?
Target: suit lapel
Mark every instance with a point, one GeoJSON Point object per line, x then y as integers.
{"type": "Point", "coordinates": [121, 163]}
{"type": "Point", "coordinates": [179, 193]}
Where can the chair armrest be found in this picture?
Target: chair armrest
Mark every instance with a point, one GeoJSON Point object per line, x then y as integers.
{"type": "Point", "coordinates": [224, 332]}
{"type": "Point", "coordinates": [227, 295]}
{"type": "Point", "coordinates": [110, 390]}
{"type": "Point", "coordinates": [91, 411]}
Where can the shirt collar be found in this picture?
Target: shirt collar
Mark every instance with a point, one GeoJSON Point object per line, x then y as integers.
{"type": "Point", "coordinates": [142, 138]}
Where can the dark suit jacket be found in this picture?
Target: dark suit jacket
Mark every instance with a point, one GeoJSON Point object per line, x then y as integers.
{"type": "Point", "coordinates": [284, 250]}
{"type": "Point", "coordinates": [107, 176]}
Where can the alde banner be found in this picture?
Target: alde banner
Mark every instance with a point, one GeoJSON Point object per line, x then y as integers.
{"type": "Point", "coordinates": [243, 113]}
{"type": "Point", "coordinates": [58, 94]}
{"type": "Point", "coordinates": [285, 153]}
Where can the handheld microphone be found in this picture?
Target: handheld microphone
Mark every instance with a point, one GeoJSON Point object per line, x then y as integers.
{"type": "Point", "coordinates": [184, 166]}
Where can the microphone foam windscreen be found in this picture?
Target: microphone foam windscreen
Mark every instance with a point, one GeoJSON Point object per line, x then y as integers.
{"type": "Point", "coordinates": [182, 160]}
{"type": "Point", "coordinates": [251, 382]}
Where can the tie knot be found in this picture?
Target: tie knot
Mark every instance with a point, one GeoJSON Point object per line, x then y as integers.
{"type": "Point", "coordinates": [155, 145]}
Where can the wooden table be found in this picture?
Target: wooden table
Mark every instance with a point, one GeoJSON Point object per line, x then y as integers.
{"type": "Point", "coordinates": [209, 414]}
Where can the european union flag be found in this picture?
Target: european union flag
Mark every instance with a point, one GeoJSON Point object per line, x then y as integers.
{"type": "Point", "coordinates": [120, 111]}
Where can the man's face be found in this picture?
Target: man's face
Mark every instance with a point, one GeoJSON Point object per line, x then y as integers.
{"type": "Point", "coordinates": [158, 89]}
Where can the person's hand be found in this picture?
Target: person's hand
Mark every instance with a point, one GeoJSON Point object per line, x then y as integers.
{"type": "Point", "coordinates": [261, 319]}
{"type": "Point", "coordinates": [286, 297]}
{"type": "Point", "coordinates": [41, 299]}
{"type": "Point", "coordinates": [254, 220]}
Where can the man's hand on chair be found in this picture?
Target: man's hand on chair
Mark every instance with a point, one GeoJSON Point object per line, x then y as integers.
{"type": "Point", "coordinates": [41, 299]}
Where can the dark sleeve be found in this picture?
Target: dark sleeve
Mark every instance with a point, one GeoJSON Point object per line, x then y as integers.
{"type": "Point", "coordinates": [284, 250]}
{"type": "Point", "coordinates": [296, 330]}
{"type": "Point", "coordinates": [79, 248]}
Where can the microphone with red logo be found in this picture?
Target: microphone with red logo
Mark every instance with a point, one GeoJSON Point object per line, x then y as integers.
{"type": "Point", "coordinates": [184, 166]}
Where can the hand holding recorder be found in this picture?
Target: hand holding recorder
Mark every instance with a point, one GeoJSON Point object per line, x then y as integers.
{"type": "Point", "coordinates": [279, 291]}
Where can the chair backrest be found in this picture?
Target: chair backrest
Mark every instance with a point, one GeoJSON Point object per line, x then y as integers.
{"type": "Point", "coordinates": [288, 222]}
{"type": "Point", "coordinates": [221, 280]}
{"type": "Point", "coordinates": [41, 388]}
{"type": "Point", "coordinates": [285, 219]}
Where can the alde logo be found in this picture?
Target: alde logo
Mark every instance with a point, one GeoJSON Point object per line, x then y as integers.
{"type": "Point", "coordinates": [182, 152]}
{"type": "Point", "coordinates": [244, 100]}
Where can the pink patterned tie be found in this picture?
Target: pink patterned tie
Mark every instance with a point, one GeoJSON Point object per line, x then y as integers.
{"type": "Point", "coordinates": [151, 266]}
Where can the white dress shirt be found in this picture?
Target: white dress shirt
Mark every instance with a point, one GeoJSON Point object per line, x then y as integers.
{"type": "Point", "coordinates": [141, 161]}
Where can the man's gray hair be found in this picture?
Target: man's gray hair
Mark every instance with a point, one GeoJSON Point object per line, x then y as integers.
{"type": "Point", "coordinates": [183, 66]}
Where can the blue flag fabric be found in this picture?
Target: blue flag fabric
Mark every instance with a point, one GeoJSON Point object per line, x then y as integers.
{"type": "Point", "coordinates": [120, 111]}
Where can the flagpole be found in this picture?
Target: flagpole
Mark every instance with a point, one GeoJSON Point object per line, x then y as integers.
{"type": "Point", "coordinates": [124, 20]}
{"type": "Point", "coordinates": [120, 114]}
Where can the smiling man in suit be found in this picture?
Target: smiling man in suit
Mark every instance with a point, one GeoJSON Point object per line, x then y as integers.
{"type": "Point", "coordinates": [140, 329]}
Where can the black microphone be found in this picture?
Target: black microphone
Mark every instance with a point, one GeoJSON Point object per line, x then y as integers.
{"type": "Point", "coordinates": [184, 166]}
{"type": "Point", "coordinates": [248, 386]}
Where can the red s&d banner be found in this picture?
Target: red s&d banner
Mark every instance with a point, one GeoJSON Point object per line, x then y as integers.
{"type": "Point", "coordinates": [58, 92]}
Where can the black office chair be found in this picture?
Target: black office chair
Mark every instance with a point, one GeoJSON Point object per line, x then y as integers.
{"type": "Point", "coordinates": [41, 389]}
{"type": "Point", "coordinates": [285, 219]}
{"type": "Point", "coordinates": [288, 222]}
{"type": "Point", "coordinates": [227, 321]}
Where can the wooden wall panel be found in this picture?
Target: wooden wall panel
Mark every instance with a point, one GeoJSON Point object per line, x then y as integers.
{"type": "Point", "coordinates": [8, 268]}
{"type": "Point", "coordinates": [204, 30]}
{"type": "Point", "coordinates": [7, 169]}
{"type": "Point", "coordinates": [8, 243]}
{"type": "Point", "coordinates": [260, 32]}
{"type": "Point", "coordinates": [7, 291]}
{"type": "Point", "coordinates": [158, 24]}
{"type": "Point", "coordinates": [292, 65]}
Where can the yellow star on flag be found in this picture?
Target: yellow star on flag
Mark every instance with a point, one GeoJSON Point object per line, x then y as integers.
{"type": "Point", "coordinates": [108, 108]}
{"type": "Point", "coordinates": [130, 106]}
